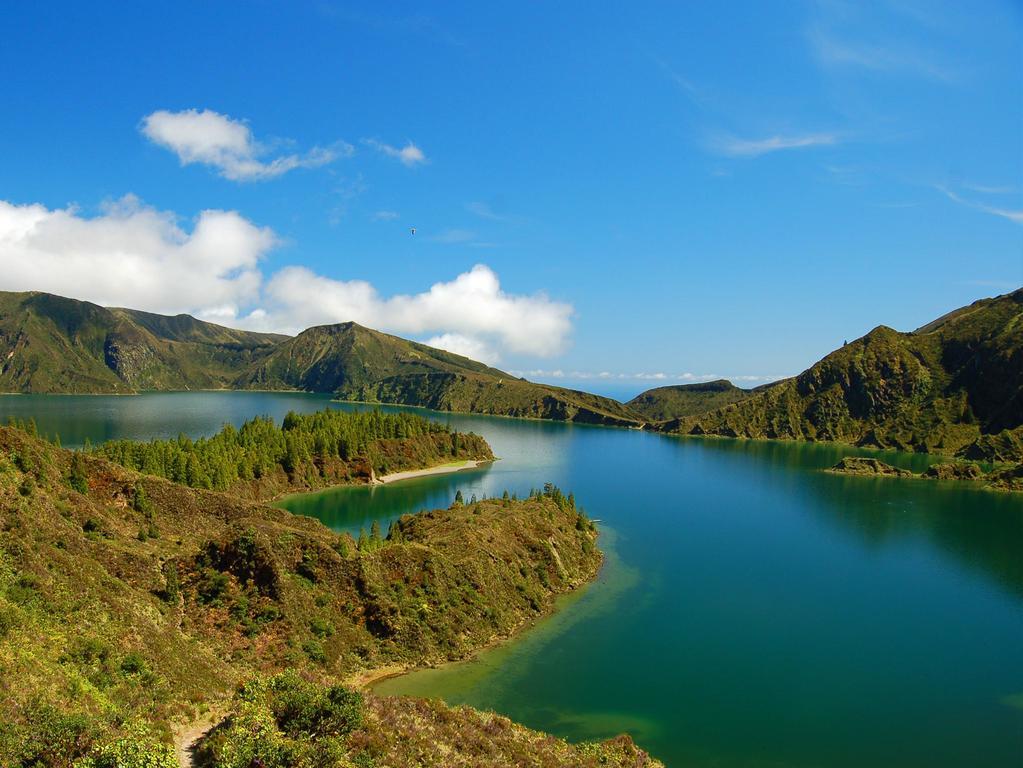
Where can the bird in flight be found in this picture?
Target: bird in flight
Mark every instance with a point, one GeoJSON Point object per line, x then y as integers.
{"type": "Point", "coordinates": [412, 231]}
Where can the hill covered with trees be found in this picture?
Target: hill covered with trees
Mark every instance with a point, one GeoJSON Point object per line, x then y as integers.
{"type": "Point", "coordinates": [952, 387]}
{"type": "Point", "coordinates": [52, 344]}
{"type": "Point", "coordinates": [260, 459]}
{"type": "Point", "coordinates": [110, 640]}
{"type": "Point", "coordinates": [361, 364]}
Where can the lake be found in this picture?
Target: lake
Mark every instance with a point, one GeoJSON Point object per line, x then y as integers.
{"type": "Point", "coordinates": [752, 611]}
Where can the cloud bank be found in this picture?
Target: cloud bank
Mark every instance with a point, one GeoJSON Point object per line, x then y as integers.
{"type": "Point", "coordinates": [133, 255]}
{"type": "Point", "coordinates": [210, 138]}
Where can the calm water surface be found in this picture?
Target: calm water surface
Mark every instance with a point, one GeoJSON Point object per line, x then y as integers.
{"type": "Point", "coordinates": [753, 611]}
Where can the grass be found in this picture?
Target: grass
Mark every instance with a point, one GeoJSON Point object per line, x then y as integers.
{"type": "Point", "coordinates": [109, 638]}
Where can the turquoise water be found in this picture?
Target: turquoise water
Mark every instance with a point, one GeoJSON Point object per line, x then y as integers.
{"type": "Point", "coordinates": [753, 610]}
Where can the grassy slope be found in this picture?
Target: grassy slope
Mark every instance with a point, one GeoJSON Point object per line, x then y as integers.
{"type": "Point", "coordinates": [52, 344]}
{"type": "Point", "coordinates": [672, 402]}
{"type": "Point", "coordinates": [95, 621]}
{"type": "Point", "coordinates": [358, 363]}
{"type": "Point", "coordinates": [954, 387]}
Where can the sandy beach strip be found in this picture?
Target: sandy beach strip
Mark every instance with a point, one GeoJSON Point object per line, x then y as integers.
{"type": "Point", "coordinates": [455, 466]}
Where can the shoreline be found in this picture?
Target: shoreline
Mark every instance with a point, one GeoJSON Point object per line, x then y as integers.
{"type": "Point", "coordinates": [411, 474]}
{"type": "Point", "coordinates": [440, 469]}
{"type": "Point", "coordinates": [366, 679]}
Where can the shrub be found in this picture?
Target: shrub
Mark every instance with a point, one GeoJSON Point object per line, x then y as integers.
{"type": "Point", "coordinates": [286, 721]}
{"type": "Point", "coordinates": [212, 587]}
{"type": "Point", "coordinates": [137, 749]}
{"type": "Point", "coordinates": [134, 664]}
{"type": "Point", "coordinates": [77, 477]}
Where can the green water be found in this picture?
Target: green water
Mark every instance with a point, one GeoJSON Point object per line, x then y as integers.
{"type": "Point", "coordinates": [753, 611]}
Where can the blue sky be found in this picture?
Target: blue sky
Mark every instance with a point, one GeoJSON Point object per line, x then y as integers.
{"type": "Point", "coordinates": [646, 188]}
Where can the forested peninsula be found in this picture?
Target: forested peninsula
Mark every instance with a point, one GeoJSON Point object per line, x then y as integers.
{"type": "Point", "coordinates": [261, 460]}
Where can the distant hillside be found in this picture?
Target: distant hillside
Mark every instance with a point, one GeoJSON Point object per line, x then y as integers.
{"type": "Point", "coordinates": [954, 387]}
{"type": "Point", "coordinates": [358, 363]}
{"type": "Point", "coordinates": [50, 344]}
{"type": "Point", "coordinates": [129, 603]}
{"type": "Point", "coordinates": [676, 401]}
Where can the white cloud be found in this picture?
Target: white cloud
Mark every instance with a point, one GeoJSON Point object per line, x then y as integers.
{"type": "Point", "coordinates": [466, 346]}
{"type": "Point", "coordinates": [135, 256]}
{"type": "Point", "coordinates": [384, 216]}
{"type": "Point", "coordinates": [1015, 216]}
{"type": "Point", "coordinates": [736, 147]}
{"type": "Point", "coordinates": [410, 155]}
{"type": "Point", "coordinates": [210, 138]}
{"type": "Point", "coordinates": [472, 305]}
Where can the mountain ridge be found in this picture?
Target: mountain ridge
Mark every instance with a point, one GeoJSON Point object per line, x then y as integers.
{"type": "Point", "coordinates": [952, 387]}
{"type": "Point", "coordinates": [53, 344]}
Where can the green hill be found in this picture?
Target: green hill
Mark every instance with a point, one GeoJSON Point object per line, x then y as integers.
{"type": "Point", "coordinates": [51, 344]}
{"type": "Point", "coordinates": [56, 345]}
{"type": "Point", "coordinates": [130, 604]}
{"type": "Point", "coordinates": [358, 363]}
{"type": "Point", "coordinates": [676, 401]}
{"type": "Point", "coordinates": [954, 387]}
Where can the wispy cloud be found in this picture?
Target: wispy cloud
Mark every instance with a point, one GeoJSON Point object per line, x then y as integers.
{"type": "Point", "coordinates": [210, 138]}
{"type": "Point", "coordinates": [680, 81]}
{"type": "Point", "coordinates": [384, 216]}
{"type": "Point", "coordinates": [454, 236]}
{"type": "Point", "coordinates": [834, 51]}
{"type": "Point", "coordinates": [658, 376]}
{"type": "Point", "coordinates": [733, 146]}
{"type": "Point", "coordinates": [410, 155]}
{"type": "Point", "coordinates": [484, 211]}
{"type": "Point", "coordinates": [985, 189]}
{"type": "Point", "coordinates": [1015, 216]}
{"type": "Point", "coordinates": [346, 190]}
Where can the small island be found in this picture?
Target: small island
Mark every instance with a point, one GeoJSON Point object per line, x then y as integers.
{"type": "Point", "coordinates": [1006, 478]}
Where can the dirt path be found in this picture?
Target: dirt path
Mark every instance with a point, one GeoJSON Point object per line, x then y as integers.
{"type": "Point", "coordinates": [188, 737]}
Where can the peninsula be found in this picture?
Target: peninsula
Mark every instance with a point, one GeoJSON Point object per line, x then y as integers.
{"type": "Point", "coordinates": [130, 604]}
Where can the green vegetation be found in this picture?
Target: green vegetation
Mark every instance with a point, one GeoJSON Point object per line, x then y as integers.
{"type": "Point", "coordinates": [676, 401]}
{"type": "Point", "coordinates": [953, 387]}
{"type": "Point", "coordinates": [308, 451]}
{"type": "Point", "coordinates": [108, 638]}
{"type": "Point", "coordinates": [52, 344]}
{"type": "Point", "coordinates": [286, 720]}
{"type": "Point", "coordinates": [360, 364]}
{"type": "Point", "coordinates": [1005, 479]}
